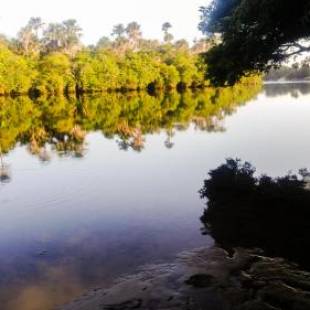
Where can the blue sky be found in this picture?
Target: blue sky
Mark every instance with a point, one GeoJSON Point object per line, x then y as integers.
{"type": "Point", "coordinates": [97, 17]}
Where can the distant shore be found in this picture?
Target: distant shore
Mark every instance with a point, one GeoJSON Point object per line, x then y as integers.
{"type": "Point", "coordinates": [266, 82]}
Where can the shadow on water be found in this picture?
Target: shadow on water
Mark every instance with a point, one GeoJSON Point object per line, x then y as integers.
{"type": "Point", "coordinates": [248, 211]}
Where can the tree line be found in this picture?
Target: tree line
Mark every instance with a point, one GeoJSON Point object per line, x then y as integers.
{"type": "Point", "coordinates": [297, 71]}
{"type": "Point", "coordinates": [50, 59]}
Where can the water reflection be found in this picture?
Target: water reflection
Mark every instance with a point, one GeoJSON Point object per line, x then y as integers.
{"type": "Point", "coordinates": [62, 123]}
{"type": "Point", "coordinates": [294, 89]}
{"type": "Point", "coordinates": [5, 174]}
{"type": "Point", "coordinates": [244, 210]}
{"type": "Point", "coordinates": [67, 225]}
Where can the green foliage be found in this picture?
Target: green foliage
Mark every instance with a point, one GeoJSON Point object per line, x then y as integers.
{"type": "Point", "coordinates": [55, 75]}
{"type": "Point", "coordinates": [96, 72]}
{"type": "Point", "coordinates": [168, 78]}
{"type": "Point", "coordinates": [50, 60]}
{"type": "Point", "coordinates": [100, 70]}
{"type": "Point", "coordinates": [256, 35]}
{"type": "Point", "coordinates": [138, 70]}
{"type": "Point", "coordinates": [16, 72]}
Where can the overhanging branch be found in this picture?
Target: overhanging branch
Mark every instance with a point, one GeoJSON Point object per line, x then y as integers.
{"type": "Point", "coordinates": [298, 49]}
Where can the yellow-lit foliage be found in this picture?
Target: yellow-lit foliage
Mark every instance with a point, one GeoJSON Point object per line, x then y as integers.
{"type": "Point", "coordinates": [63, 122]}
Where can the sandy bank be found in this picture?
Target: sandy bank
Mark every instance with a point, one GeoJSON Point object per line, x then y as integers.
{"type": "Point", "coordinates": [206, 279]}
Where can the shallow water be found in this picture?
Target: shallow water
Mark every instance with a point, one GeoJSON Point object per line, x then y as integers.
{"type": "Point", "coordinates": [70, 221]}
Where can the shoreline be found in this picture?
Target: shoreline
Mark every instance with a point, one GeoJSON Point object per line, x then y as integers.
{"type": "Point", "coordinates": [283, 82]}
{"type": "Point", "coordinates": [206, 278]}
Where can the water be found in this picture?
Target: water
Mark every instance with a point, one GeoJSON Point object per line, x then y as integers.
{"type": "Point", "coordinates": [88, 199]}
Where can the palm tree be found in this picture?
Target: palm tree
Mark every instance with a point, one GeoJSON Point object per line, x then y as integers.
{"type": "Point", "coordinates": [133, 31]}
{"type": "Point", "coordinates": [168, 37]}
{"type": "Point", "coordinates": [121, 44]}
{"type": "Point", "coordinates": [36, 24]}
{"type": "Point", "coordinates": [28, 36]}
{"type": "Point", "coordinates": [53, 37]}
{"type": "Point", "coordinates": [65, 37]}
{"type": "Point", "coordinates": [118, 31]}
{"type": "Point", "coordinates": [72, 33]}
{"type": "Point", "coordinates": [166, 26]}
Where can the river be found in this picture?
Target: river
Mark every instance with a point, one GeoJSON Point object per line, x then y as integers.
{"type": "Point", "coordinates": [78, 210]}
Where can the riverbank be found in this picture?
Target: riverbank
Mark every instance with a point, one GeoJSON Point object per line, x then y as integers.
{"type": "Point", "coordinates": [207, 278]}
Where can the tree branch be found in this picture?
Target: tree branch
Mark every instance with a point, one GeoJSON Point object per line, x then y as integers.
{"type": "Point", "coordinates": [300, 49]}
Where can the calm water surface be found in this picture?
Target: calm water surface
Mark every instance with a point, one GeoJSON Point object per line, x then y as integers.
{"type": "Point", "coordinates": [71, 223]}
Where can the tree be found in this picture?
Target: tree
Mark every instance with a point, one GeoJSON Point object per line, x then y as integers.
{"type": "Point", "coordinates": [202, 45]}
{"type": "Point", "coordinates": [72, 33]}
{"type": "Point", "coordinates": [134, 33]}
{"type": "Point", "coordinates": [16, 73]}
{"type": "Point", "coordinates": [35, 23]}
{"type": "Point", "coordinates": [28, 36]}
{"type": "Point", "coordinates": [4, 40]}
{"type": "Point", "coordinates": [151, 45]}
{"type": "Point", "coordinates": [104, 42]}
{"type": "Point", "coordinates": [181, 44]}
{"type": "Point", "coordinates": [121, 43]}
{"type": "Point", "coordinates": [64, 37]}
{"type": "Point", "coordinates": [256, 35]}
{"type": "Point", "coordinates": [186, 67]}
{"type": "Point", "coordinates": [168, 37]}
{"type": "Point", "coordinates": [55, 75]}
{"type": "Point", "coordinates": [166, 26]}
{"type": "Point", "coordinates": [53, 37]}
{"type": "Point", "coordinates": [62, 66]}
{"type": "Point", "coordinates": [119, 31]}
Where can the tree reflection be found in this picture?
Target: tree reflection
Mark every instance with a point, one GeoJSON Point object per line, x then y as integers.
{"type": "Point", "coordinates": [169, 144]}
{"type": "Point", "coordinates": [248, 211]}
{"type": "Point", "coordinates": [292, 89]}
{"type": "Point", "coordinates": [5, 175]}
{"type": "Point", "coordinates": [60, 124]}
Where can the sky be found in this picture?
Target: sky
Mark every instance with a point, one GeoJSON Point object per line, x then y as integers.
{"type": "Point", "coordinates": [97, 17]}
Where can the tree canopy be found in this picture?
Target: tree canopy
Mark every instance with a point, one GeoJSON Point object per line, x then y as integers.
{"type": "Point", "coordinates": [51, 59]}
{"type": "Point", "coordinates": [256, 35]}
